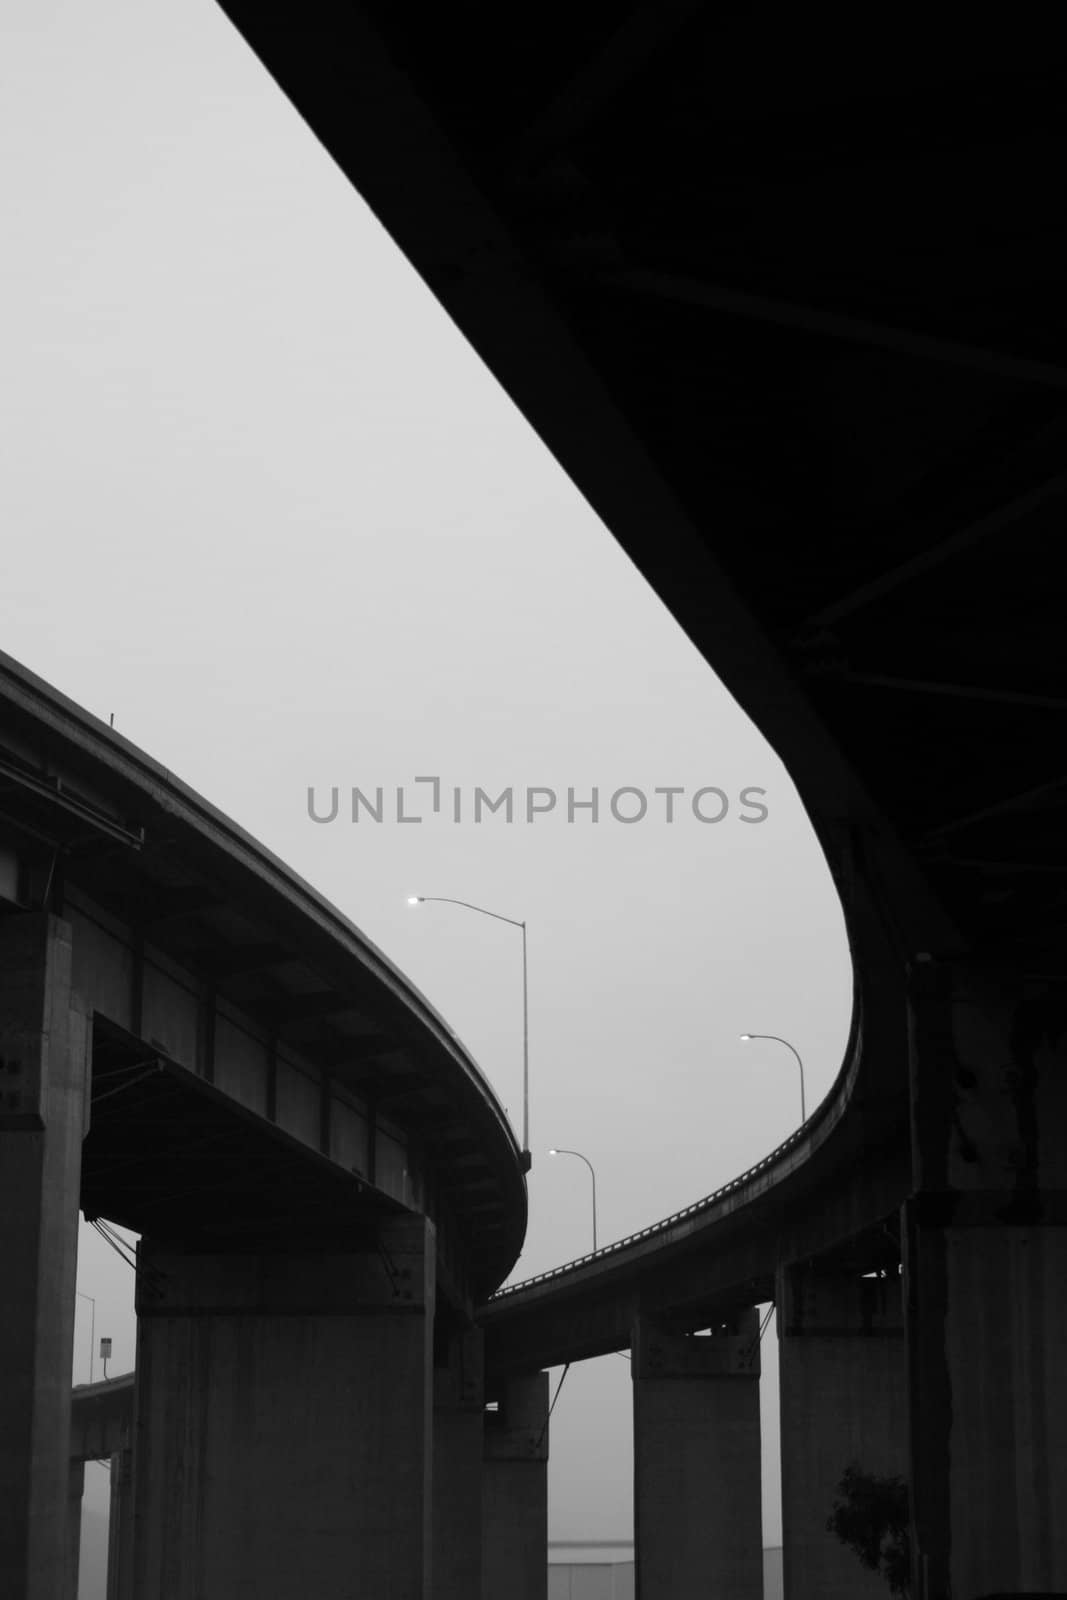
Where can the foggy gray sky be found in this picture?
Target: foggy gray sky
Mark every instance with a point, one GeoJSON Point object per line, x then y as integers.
{"type": "Point", "coordinates": [259, 500]}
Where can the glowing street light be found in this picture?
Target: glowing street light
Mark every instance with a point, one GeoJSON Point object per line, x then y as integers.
{"type": "Point", "coordinates": [592, 1175]}
{"type": "Point", "coordinates": [443, 899]}
{"type": "Point", "coordinates": [745, 1037]}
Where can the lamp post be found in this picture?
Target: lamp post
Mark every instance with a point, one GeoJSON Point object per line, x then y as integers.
{"type": "Point", "coordinates": [745, 1037]}
{"type": "Point", "coordinates": [92, 1328]}
{"type": "Point", "coordinates": [443, 899]}
{"type": "Point", "coordinates": [592, 1175]}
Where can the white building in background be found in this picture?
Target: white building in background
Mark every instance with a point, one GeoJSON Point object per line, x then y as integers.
{"type": "Point", "coordinates": [591, 1569]}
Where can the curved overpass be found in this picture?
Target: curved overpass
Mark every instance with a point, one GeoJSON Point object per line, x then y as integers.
{"type": "Point", "coordinates": [258, 1064]}
{"type": "Point", "coordinates": [832, 1190]}
{"type": "Point", "coordinates": [195, 1044]}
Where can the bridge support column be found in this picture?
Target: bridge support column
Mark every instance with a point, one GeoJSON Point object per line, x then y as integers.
{"type": "Point", "coordinates": [985, 1264]}
{"type": "Point", "coordinates": [283, 1422]}
{"type": "Point", "coordinates": [515, 1493]}
{"type": "Point", "coordinates": [43, 1093]}
{"type": "Point", "coordinates": [458, 1410]}
{"type": "Point", "coordinates": [843, 1401]}
{"type": "Point", "coordinates": [75, 1490]}
{"type": "Point", "coordinates": [120, 1528]}
{"type": "Point", "coordinates": [697, 1512]}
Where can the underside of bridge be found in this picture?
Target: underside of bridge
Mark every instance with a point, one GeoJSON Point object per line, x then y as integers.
{"type": "Point", "coordinates": [782, 294]}
{"type": "Point", "coordinates": [197, 1046]}
{"type": "Point", "coordinates": [785, 300]}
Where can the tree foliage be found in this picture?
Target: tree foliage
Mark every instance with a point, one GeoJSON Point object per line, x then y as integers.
{"type": "Point", "coordinates": [870, 1516]}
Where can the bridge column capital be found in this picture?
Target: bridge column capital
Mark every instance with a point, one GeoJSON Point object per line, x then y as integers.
{"type": "Point", "coordinates": [816, 1300]}
{"type": "Point", "coordinates": [988, 1093]}
{"type": "Point", "coordinates": [394, 1274]}
{"type": "Point", "coordinates": [459, 1372]}
{"type": "Point", "coordinates": [731, 1350]}
{"type": "Point", "coordinates": [518, 1431]}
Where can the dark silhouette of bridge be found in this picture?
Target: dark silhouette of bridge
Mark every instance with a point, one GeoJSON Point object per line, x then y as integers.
{"type": "Point", "coordinates": [787, 306]}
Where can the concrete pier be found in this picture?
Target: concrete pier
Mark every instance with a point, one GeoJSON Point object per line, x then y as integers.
{"type": "Point", "coordinates": [75, 1490]}
{"type": "Point", "coordinates": [43, 1091]}
{"type": "Point", "coordinates": [458, 1412]}
{"type": "Point", "coordinates": [515, 1493]}
{"type": "Point", "coordinates": [120, 1528]}
{"type": "Point", "coordinates": [985, 1264]}
{"type": "Point", "coordinates": [283, 1422]}
{"type": "Point", "coordinates": [843, 1401]}
{"type": "Point", "coordinates": [697, 1517]}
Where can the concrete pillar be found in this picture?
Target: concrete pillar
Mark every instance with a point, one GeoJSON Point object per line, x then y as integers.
{"type": "Point", "coordinates": [282, 1422]}
{"type": "Point", "coordinates": [43, 1092]}
{"type": "Point", "coordinates": [458, 1411]}
{"type": "Point", "coordinates": [985, 1264]}
{"type": "Point", "coordinates": [120, 1528]}
{"type": "Point", "coordinates": [75, 1490]}
{"type": "Point", "coordinates": [515, 1493]}
{"type": "Point", "coordinates": [843, 1402]}
{"type": "Point", "coordinates": [697, 1511]}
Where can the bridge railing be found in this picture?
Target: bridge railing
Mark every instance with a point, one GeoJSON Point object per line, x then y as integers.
{"type": "Point", "coordinates": [698, 1206]}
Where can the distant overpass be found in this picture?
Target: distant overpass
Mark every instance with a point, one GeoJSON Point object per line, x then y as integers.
{"type": "Point", "coordinates": [101, 1418]}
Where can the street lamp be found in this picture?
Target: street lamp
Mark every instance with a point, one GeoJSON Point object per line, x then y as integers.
{"type": "Point", "coordinates": [92, 1328]}
{"type": "Point", "coordinates": [592, 1175]}
{"type": "Point", "coordinates": [444, 899]}
{"type": "Point", "coordinates": [745, 1037]}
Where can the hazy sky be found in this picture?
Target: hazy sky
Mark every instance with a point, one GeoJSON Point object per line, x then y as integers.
{"type": "Point", "coordinates": [260, 501]}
